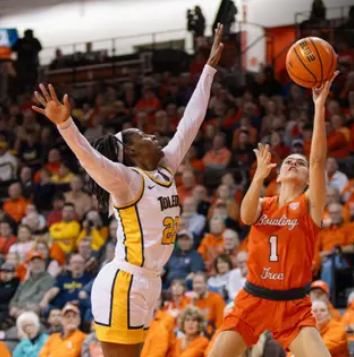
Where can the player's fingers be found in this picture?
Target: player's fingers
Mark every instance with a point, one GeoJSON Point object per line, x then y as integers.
{"type": "Point", "coordinates": [40, 99]}
{"type": "Point", "coordinates": [272, 166]}
{"type": "Point", "coordinates": [266, 151]}
{"type": "Point", "coordinates": [268, 157]}
{"type": "Point", "coordinates": [220, 32]}
{"type": "Point", "coordinates": [335, 74]}
{"type": "Point", "coordinates": [44, 92]}
{"type": "Point", "coordinates": [256, 152]}
{"type": "Point", "coordinates": [53, 94]}
{"type": "Point", "coordinates": [38, 110]}
{"type": "Point", "coordinates": [260, 148]}
{"type": "Point", "coordinates": [66, 100]}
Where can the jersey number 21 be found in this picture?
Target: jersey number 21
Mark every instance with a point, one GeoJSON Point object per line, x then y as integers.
{"type": "Point", "coordinates": [169, 233]}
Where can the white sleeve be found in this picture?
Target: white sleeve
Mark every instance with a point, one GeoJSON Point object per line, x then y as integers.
{"type": "Point", "coordinates": [120, 181]}
{"type": "Point", "coordinates": [192, 119]}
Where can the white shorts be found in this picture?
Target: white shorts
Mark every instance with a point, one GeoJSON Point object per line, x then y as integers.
{"type": "Point", "coordinates": [123, 299]}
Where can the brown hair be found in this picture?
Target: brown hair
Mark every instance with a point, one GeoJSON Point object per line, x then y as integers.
{"type": "Point", "coordinates": [196, 315]}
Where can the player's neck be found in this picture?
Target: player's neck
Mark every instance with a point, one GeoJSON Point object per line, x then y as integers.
{"type": "Point", "coordinates": [288, 193]}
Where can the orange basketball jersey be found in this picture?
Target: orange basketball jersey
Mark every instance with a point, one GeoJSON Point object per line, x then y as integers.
{"type": "Point", "coordinates": [282, 245]}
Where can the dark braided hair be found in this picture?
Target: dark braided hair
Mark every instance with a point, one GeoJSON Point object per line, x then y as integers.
{"type": "Point", "coordinates": [109, 148]}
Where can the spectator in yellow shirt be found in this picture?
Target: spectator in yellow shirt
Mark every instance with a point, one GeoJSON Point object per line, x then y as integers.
{"type": "Point", "coordinates": [66, 232]}
{"type": "Point", "coordinates": [69, 342]}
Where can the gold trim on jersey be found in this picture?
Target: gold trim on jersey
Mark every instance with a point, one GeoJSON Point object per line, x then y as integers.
{"type": "Point", "coordinates": [119, 329]}
{"type": "Point", "coordinates": [159, 182]}
{"type": "Point", "coordinates": [133, 235]}
{"type": "Point", "coordinates": [137, 199]}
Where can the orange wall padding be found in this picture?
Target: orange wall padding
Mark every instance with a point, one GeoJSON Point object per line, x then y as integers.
{"type": "Point", "coordinates": [283, 37]}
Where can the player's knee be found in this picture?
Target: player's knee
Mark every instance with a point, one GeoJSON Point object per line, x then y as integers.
{"type": "Point", "coordinates": [228, 344]}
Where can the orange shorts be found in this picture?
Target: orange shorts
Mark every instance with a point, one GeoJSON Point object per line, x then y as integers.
{"type": "Point", "coordinates": [252, 315]}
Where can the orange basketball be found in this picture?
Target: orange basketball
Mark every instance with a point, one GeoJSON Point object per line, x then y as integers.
{"type": "Point", "coordinates": [311, 61]}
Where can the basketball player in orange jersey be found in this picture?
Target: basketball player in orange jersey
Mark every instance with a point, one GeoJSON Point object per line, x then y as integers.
{"type": "Point", "coordinates": [281, 249]}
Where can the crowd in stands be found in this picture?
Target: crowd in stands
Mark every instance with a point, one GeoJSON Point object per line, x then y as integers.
{"type": "Point", "coordinates": [54, 238]}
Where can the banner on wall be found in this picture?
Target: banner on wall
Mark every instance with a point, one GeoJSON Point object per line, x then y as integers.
{"type": "Point", "coordinates": [8, 37]}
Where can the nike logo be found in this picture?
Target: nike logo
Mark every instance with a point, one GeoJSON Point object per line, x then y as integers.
{"type": "Point", "coordinates": [151, 187]}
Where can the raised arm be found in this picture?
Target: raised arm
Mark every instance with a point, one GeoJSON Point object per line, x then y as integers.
{"type": "Point", "coordinates": [196, 109]}
{"type": "Point", "coordinates": [113, 177]}
{"type": "Point", "coordinates": [252, 204]}
{"type": "Point", "coordinates": [318, 156]}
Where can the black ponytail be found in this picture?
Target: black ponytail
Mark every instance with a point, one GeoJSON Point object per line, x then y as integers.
{"type": "Point", "coordinates": [107, 146]}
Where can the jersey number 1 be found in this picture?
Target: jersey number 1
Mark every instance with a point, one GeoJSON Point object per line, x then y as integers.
{"type": "Point", "coordinates": [169, 233]}
{"type": "Point", "coordinates": [273, 242]}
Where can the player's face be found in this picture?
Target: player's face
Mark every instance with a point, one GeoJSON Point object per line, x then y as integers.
{"type": "Point", "coordinates": [320, 312]}
{"type": "Point", "coordinates": [294, 169]}
{"type": "Point", "coordinates": [190, 326]}
{"type": "Point", "coordinates": [145, 149]}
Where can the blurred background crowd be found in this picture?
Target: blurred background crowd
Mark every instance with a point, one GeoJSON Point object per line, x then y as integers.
{"type": "Point", "coordinates": [54, 238]}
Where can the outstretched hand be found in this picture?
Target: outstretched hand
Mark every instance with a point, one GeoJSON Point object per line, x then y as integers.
{"type": "Point", "coordinates": [217, 47]}
{"type": "Point", "coordinates": [264, 164]}
{"type": "Point", "coordinates": [320, 94]}
{"type": "Point", "coordinates": [52, 108]}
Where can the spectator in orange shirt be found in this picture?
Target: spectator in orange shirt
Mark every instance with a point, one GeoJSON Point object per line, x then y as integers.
{"type": "Point", "coordinates": [53, 164]}
{"type": "Point", "coordinates": [337, 234]}
{"type": "Point", "coordinates": [212, 244]}
{"type": "Point", "coordinates": [144, 122]}
{"type": "Point", "coordinates": [231, 245]}
{"type": "Point", "coordinates": [348, 317]}
{"type": "Point", "coordinates": [16, 206]}
{"type": "Point", "coordinates": [338, 125]}
{"type": "Point", "coordinates": [219, 156]}
{"type": "Point", "coordinates": [319, 290]}
{"type": "Point", "coordinates": [245, 125]}
{"type": "Point", "coordinates": [149, 102]}
{"type": "Point", "coordinates": [69, 342]}
{"type": "Point", "coordinates": [179, 301]}
{"type": "Point", "coordinates": [192, 323]}
{"type": "Point", "coordinates": [332, 196]}
{"type": "Point", "coordinates": [307, 131]}
{"type": "Point", "coordinates": [229, 180]}
{"type": "Point", "coordinates": [187, 187]}
{"type": "Point", "coordinates": [7, 238]}
{"type": "Point", "coordinates": [332, 332]}
{"type": "Point", "coordinates": [4, 352]}
{"type": "Point", "coordinates": [224, 194]}
{"type": "Point", "coordinates": [337, 145]}
{"type": "Point", "coordinates": [210, 303]}
{"type": "Point", "coordinates": [348, 192]}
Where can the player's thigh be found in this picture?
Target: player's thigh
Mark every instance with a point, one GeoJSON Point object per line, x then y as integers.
{"type": "Point", "coordinates": [228, 344]}
{"type": "Point", "coordinates": [118, 350]}
{"type": "Point", "coordinates": [308, 343]}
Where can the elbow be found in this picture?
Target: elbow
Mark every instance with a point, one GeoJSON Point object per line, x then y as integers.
{"type": "Point", "coordinates": [246, 218]}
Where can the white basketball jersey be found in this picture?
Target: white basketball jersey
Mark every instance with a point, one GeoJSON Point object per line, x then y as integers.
{"type": "Point", "coordinates": [147, 227]}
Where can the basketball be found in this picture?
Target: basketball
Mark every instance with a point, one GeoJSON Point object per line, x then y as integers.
{"type": "Point", "coordinates": [311, 61]}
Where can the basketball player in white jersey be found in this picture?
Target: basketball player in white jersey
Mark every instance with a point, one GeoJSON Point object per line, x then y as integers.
{"type": "Point", "coordinates": [133, 176]}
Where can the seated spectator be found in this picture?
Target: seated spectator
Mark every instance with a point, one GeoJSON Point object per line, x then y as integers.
{"type": "Point", "coordinates": [24, 243]}
{"type": "Point", "coordinates": [16, 205]}
{"type": "Point", "coordinates": [200, 195]}
{"type": "Point", "coordinates": [53, 258]}
{"type": "Point", "coordinates": [31, 208]}
{"type": "Point", "coordinates": [238, 276]}
{"type": "Point", "coordinates": [94, 230]}
{"type": "Point", "coordinates": [335, 178]}
{"type": "Point", "coordinates": [187, 187]}
{"type": "Point", "coordinates": [160, 340]}
{"type": "Point", "coordinates": [26, 181]}
{"type": "Point", "coordinates": [8, 162]}
{"type": "Point", "coordinates": [210, 303]}
{"type": "Point", "coordinates": [56, 215]}
{"type": "Point", "coordinates": [219, 282]}
{"type": "Point", "coordinates": [148, 103]}
{"type": "Point", "coordinates": [92, 347]}
{"type": "Point", "coordinates": [179, 301]}
{"type": "Point", "coordinates": [54, 161]}
{"type": "Point", "coordinates": [338, 125]}
{"type": "Point", "coordinates": [69, 342]}
{"type": "Point", "coordinates": [44, 191]}
{"type": "Point", "coordinates": [219, 156]}
{"type": "Point", "coordinates": [63, 177]}
{"type": "Point", "coordinates": [332, 332]}
{"type": "Point", "coordinates": [29, 149]}
{"type": "Point", "coordinates": [109, 255]}
{"type": "Point", "coordinates": [90, 257]}
{"type": "Point", "coordinates": [337, 145]}
{"type": "Point", "coordinates": [242, 153]}
{"type": "Point", "coordinates": [65, 233]}
{"type": "Point", "coordinates": [195, 221]}
{"type": "Point", "coordinates": [192, 323]}
{"type": "Point", "coordinates": [278, 147]}
{"type": "Point", "coordinates": [68, 286]}
{"type": "Point", "coordinates": [245, 126]}
{"type": "Point", "coordinates": [224, 194]}
{"type": "Point", "coordinates": [54, 321]}
{"type": "Point", "coordinates": [231, 244]}
{"type": "Point", "coordinates": [191, 163]}
{"type": "Point", "coordinates": [332, 196]}
{"type": "Point", "coordinates": [235, 188]}
{"type": "Point", "coordinates": [185, 261]}
{"type": "Point", "coordinates": [212, 244]}
{"type": "Point", "coordinates": [7, 238]}
{"type": "Point", "coordinates": [78, 197]}
{"type": "Point", "coordinates": [8, 286]}
{"type": "Point", "coordinates": [319, 290]}
{"type": "Point", "coordinates": [348, 317]}
{"type": "Point", "coordinates": [31, 291]}
{"type": "Point", "coordinates": [32, 339]}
